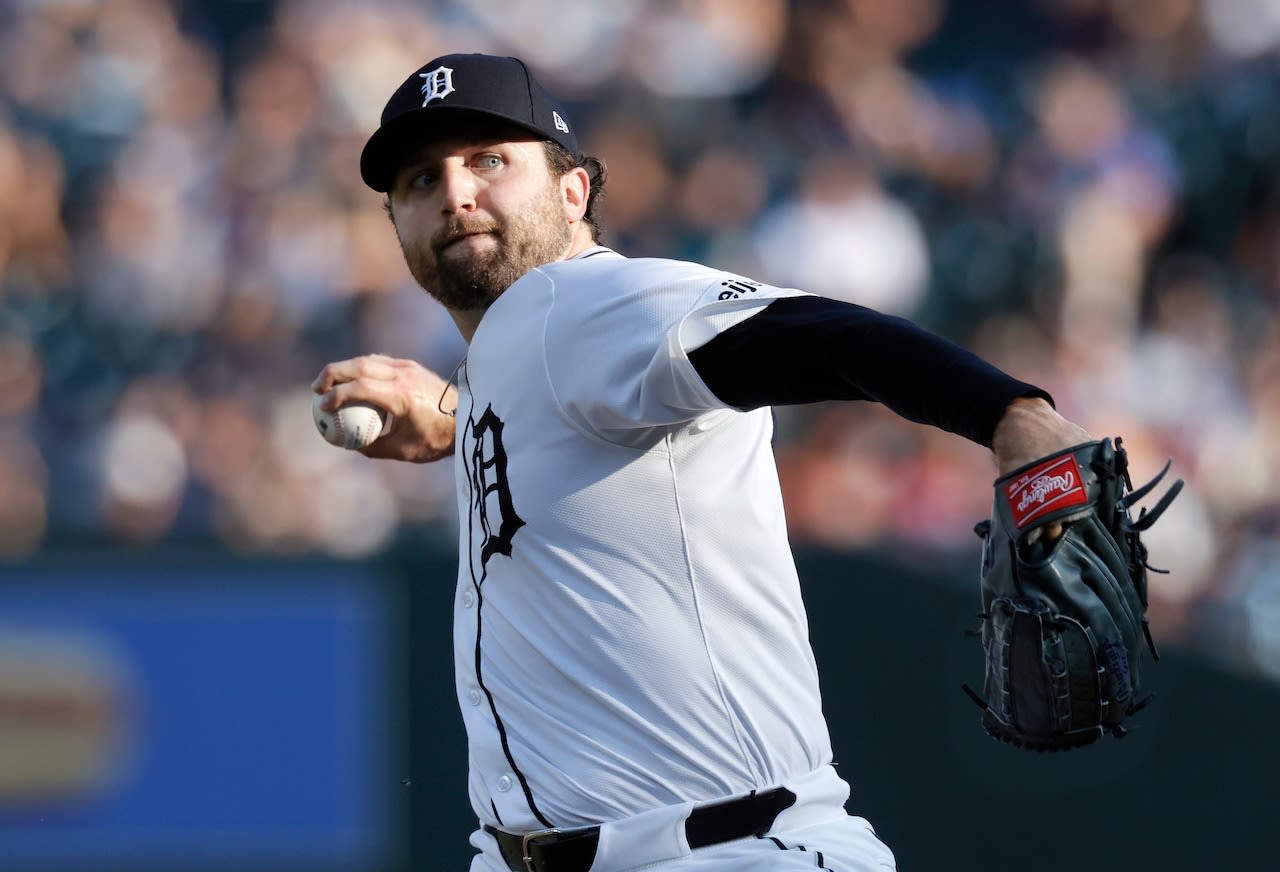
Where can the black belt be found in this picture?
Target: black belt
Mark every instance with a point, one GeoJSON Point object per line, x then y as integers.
{"type": "Point", "coordinates": [575, 850]}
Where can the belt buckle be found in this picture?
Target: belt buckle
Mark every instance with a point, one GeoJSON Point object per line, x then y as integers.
{"type": "Point", "coordinates": [526, 856]}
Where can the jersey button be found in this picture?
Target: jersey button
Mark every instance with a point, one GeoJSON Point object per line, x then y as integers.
{"type": "Point", "coordinates": [504, 784]}
{"type": "Point", "coordinates": [468, 600]}
{"type": "Point", "coordinates": [474, 696]}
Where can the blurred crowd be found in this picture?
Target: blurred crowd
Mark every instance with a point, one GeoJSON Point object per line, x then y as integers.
{"type": "Point", "coordinates": [1084, 191]}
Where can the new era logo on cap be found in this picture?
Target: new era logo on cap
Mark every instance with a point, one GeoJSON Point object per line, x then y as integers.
{"type": "Point", "coordinates": [444, 93]}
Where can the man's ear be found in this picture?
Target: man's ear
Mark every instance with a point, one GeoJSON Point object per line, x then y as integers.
{"type": "Point", "coordinates": [575, 187]}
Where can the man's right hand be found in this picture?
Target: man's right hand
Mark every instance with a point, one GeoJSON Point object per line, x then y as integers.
{"type": "Point", "coordinates": [412, 395]}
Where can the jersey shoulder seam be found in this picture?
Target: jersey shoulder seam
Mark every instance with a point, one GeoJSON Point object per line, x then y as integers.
{"type": "Point", "coordinates": [551, 384]}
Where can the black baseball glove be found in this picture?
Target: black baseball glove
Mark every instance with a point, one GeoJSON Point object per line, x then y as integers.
{"type": "Point", "coordinates": [1064, 619]}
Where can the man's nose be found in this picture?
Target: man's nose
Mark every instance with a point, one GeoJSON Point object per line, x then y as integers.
{"type": "Point", "coordinates": [458, 187]}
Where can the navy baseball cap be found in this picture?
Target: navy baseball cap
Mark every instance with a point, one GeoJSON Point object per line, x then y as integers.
{"type": "Point", "coordinates": [449, 89]}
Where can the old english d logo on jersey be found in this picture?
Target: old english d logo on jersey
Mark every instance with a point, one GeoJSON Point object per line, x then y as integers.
{"type": "Point", "coordinates": [436, 84]}
{"type": "Point", "coordinates": [491, 492]}
{"type": "Point", "coordinates": [1045, 488]}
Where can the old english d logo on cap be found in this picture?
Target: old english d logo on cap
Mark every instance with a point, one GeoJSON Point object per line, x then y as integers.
{"type": "Point", "coordinates": [439, 83]}
{"type": "Point", "coordinates": [450, 92]}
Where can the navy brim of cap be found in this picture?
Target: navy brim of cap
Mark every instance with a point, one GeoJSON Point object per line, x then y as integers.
{"type": "Point", "coordinates": [392, 144]}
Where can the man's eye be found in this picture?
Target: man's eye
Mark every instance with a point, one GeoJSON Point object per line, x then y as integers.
{"type": "Point", "coordinates": [423, 180]}
{"type": "Point", "coordinates": [489, 161]}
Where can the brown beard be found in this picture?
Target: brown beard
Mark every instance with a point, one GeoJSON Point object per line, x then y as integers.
{"type": "Point", "coordinates": [537, 236]}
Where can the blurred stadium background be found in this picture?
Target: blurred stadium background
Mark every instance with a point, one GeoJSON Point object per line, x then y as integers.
{"type": "Point", "coordinates": [209, 662]}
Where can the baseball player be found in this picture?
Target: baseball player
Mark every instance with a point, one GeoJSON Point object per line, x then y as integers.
{"type": "Point", "coordinates": [631, 649]}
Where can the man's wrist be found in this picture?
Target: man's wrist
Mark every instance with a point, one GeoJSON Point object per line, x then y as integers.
{"type": "Point", "coordinates": [1031, 428]}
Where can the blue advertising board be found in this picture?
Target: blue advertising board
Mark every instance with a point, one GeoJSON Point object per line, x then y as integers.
{"type": "Point", "coordinates": [232, 716]}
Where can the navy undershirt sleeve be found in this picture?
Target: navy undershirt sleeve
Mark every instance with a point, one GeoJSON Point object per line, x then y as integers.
{"type": "Point", "coordinates": [811, 349]}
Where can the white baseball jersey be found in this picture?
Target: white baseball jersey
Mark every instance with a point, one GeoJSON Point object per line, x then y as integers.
{"type": "Point", "coordinates": [629, 631]}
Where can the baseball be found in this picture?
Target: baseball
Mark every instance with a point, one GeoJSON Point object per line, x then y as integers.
{"type": "Point", "coordinates": [354, 426]}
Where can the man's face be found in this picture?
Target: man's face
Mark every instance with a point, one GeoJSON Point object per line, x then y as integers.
{"type": "Point", "coordinates": [474, 215]}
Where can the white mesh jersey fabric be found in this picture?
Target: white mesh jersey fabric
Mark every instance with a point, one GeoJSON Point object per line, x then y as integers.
{"type": "Point", "coordinates": [629, 631]}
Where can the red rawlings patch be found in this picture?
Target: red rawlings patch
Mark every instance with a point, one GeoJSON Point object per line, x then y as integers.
{"type": "Point", "coordinates": [1048, 487]}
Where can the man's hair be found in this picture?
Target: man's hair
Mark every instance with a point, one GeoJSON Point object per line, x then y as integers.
{"type": "Point", "coordinates": [559, 161]}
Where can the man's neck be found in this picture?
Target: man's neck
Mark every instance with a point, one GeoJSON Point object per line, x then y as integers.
{"type": "Point", "coordinates": [467, 320]}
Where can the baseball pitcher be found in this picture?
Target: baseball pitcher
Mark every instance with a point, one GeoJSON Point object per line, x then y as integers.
{"type": "Point", "coordinates": [630, 645]}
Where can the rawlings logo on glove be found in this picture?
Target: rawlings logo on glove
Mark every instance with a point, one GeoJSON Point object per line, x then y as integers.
{"type": "Point", "coordinates": [1047, 487]}
{"type": "Point", "coordinates": [1064, 620]}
